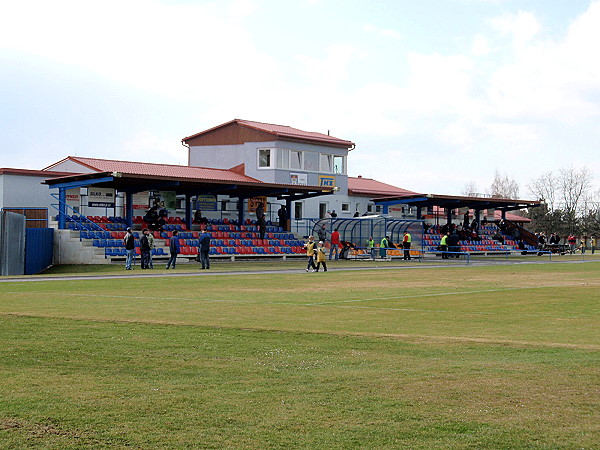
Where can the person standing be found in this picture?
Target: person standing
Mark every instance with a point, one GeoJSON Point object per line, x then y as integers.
{"type": "Point", "coordinates": [152, 245]}
{"type": "Point", "coordinates": [444, 246]}
{"type": "Point", "coordinates": [322, 233]}
{"type": "Point", "coordinates": [406, 242]}
{"type": "Point", "coordinates": [145, 249]}
{"type": "Point", "coordinates": [321, 257]}
{"type": "Point", "coordinates": [335, 244]}
{"type": "Point", "coordinates": [310, 253]}
{"type": "Point", "coordinates": [129, 241]}
{"type": "Point", "coordinates": [383, 245]}
{"type": "Point", "coordinates": [593, 244]}
{"type": "Point", "coordinates": [174, 249]}
{"type": "Point", "coordinates": [204, 249]}
{"type": "Point", "coordinates": [282, 216]}
{"type": "Point", "coordinates": [371, 247]}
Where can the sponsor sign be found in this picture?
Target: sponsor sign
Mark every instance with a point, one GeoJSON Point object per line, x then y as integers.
{"type": "Point", "coordinates": [101, 197]}
{"type": "Point", "coordinates": [73, 199]}
{"type": "Point", "coordinates": [299, 178]}
{"type": "Point", "coordinates": [206, 203]}
{"type": "Point", "coordinates": [327, 181]}
{"type": "Point", "coordinates": [253, 203]}
{"type": "Point", "coordinates": [140, 200]}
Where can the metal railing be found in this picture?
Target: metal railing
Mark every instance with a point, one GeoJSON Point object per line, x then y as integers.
{"type": "Point", "coordinates": [82, 221]}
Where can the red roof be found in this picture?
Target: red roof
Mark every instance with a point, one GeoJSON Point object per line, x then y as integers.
{"type": "Point", "coordinates": [160, 170]}
{"type": "Point", "coordinates": [370, 187]}
{"type": "Point", "coordinates": [31, 173]}
{"type": "Point", "coordinates": [281, 131]}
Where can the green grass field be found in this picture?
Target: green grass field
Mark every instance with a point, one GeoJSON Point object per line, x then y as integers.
{"type": "Point", "coordinates": [503, 356]}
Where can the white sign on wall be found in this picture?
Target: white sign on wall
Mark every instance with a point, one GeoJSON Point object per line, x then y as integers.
{"type": "Point", "coordinates": [101, 197]}
{"type": "Point", "coordinates": [73, 199]}
{"type": "Point", "coordinates": [299, 178]}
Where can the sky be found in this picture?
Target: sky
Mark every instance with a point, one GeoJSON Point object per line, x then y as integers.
{"type": "Point", "coordinates": [436, 94]}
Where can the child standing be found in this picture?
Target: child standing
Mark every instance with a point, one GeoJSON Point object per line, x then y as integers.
{"type": "Point", "coordinates": [310, 253]}
{"type": "Point", "coordinates": [321, 257]}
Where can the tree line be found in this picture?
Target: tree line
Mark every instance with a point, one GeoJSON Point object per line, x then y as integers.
{"type": "Point", "coordinates": [570, 204]}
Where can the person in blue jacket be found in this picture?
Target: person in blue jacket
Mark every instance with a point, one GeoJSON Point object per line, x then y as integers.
{"type": "Point", "coordinates": [173, 249]}
{"type": "Point", "coordinates": [204, 248]}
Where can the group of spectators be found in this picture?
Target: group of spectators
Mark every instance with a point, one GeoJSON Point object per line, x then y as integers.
{"type": "Point", "coordinates": [572, 243]}
{"type": "Point", "coordinates": [147, 244]}
{"type": "Point", "coordinates": [156, 216]}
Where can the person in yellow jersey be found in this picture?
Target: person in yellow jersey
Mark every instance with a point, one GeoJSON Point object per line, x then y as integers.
{"type": "Point", "coordinates": [383, 245]}
{"type": "Point", "coordinates": [321, 257]}
{"type": "Point", "coordinates": [311, 249]}
{"type": "Point", "coordinates": [406, 241]}
{"type": "Point", "coordinates": [593, 244]}
{"type": "Point", "coordinates": [371, 247]}
{"type": "Point", "coordinates": [444, 246]}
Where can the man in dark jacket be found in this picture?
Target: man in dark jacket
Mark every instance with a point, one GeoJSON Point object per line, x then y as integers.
{"type": "Point", "coordinates": [204, 249]}
{"type": "Point", "coordinates": [173, 249]}
{"type": "Point", "coordinates": [145, 249]}
{"type": "Point", "coordinates": [129, 241]}
{"type": "Point", "coordinates": [453, 245]}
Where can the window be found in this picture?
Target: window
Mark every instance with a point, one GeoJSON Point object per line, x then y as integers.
{"type": "Point", "coordinates": [283, 158]}
{"type": "Point", "coordinates": [370, 208]}
{"type": "Point", "coordinates": [346, 207]}
{"type": "Point", "coordinates": [295, 159]}
{"type": "Point", "coordinates": [326, 163]}
{"type": "Point", "coordinates": [298, 210]}
{"type": "Point", "coordinates": [339, 164]}
{"type": "Point", "coordinates": [264, 157]}
{"type": "Point", "coordinates": [378, 208]}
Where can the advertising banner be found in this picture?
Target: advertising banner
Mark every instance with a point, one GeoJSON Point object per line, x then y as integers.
{"type": "Point", "coordinates": [101, 197]}
{"type": "Point", "coordinates": [140, 200]}
{"type": "Point", "coordinates": [299, 178]}
{"type": "Point", "coordinates": [327, 181]}
{"type": "Point", "coordinates": [206, 203]}
{"type": "Point", "coordinates": [253, 203]}
{"type": "Point", "coordinates": [73, 199]}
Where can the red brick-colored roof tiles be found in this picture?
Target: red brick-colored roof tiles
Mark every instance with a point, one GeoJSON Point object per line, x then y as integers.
{"type": "Point", "coordinates": [282, 131]}
{"type": "Point", "coordinates": [160, 170]}
{"type": "Point", "coordinates": [371, 187]}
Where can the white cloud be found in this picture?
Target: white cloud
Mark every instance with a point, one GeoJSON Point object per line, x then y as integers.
{"type": "Point", "coordinates": [523, 26]}
{"type": "Point", "coordinates": [382, 31]}
{"type": "Point", "coordinates": [175, 50]}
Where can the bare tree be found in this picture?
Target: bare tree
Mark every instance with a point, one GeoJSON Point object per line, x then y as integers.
{"type": "Point", "coordinates": [570, 204]}
{"type": "Point", "coordinates": [470, 189]}
{"type": "Point", "coordinates": [504, 187]}
{"type": "Point", "coordinates": [545, 188]}
{"type": "Point", "coordinates": [575, 186]}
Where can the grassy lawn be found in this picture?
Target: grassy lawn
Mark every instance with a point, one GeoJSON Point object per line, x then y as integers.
{"type": "Point", "coordinates": [457, 357]}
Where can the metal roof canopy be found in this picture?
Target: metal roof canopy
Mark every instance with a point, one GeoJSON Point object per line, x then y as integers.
{"type": "Point", "coordinates": [451, 202]}
{"type": "Point", "coordinates": [132, 183]}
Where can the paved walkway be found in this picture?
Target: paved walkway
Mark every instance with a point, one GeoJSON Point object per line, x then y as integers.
{"type": "Point", "coordinates": [160, 273]}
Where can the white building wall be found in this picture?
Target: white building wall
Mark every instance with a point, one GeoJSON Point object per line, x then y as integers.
{"type": "Point", "coordinates": [71, 166]}
{"type": "Point", "coordinates": [20, 191]}
{"type": "Point", "coordinates": [217, 156]}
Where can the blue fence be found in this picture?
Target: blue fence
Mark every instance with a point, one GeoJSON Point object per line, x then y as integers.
{"type": "Point", "coordinates": [39, 245]}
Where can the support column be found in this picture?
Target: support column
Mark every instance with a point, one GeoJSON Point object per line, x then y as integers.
{"type": "Point", "coordinates": [188, 211]}
{"type": "Point", "coordinates": [288, 214]}
{"type": "Point", "coordinates": [240, 207]}
{"type": "Point", "coordinates": [129, 208]}
{"type": "Point", "coordinates": [503, 214]}
{"type": "Point", "coordinates": [62, 208]}
{"type": "Point", "coordinates": [449, 215]}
